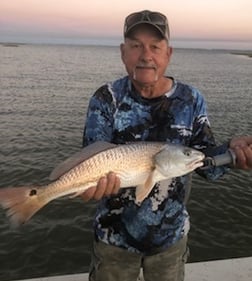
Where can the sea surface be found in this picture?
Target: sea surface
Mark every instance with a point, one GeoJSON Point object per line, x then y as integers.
{"type": "Point", "coordinates": [44, 93]}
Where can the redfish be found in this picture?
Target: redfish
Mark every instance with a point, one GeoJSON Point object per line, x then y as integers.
{"type": "Point", "coordinates": [139, 164]}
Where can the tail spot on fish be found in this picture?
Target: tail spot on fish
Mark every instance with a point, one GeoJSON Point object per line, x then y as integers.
{"type": "Point", "coordinates": [33, 192]}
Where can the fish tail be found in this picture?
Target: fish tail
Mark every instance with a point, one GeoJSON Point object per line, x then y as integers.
{"type": "Point", "coordinates": [21, 203]}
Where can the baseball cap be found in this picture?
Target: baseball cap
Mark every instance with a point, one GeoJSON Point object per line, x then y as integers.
{"type": "Point", "coordinates": [156, 19]}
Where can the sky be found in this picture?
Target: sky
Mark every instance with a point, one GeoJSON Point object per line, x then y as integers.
{"type": "Point", "coordinates": [202, 22]}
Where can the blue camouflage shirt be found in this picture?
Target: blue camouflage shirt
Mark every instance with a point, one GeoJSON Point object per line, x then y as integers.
{"type": "Point", "coordinates": [118, 114]}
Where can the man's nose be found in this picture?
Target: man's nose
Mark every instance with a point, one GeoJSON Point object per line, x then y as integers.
{"type": "Point", "coordinates": [146, 54]}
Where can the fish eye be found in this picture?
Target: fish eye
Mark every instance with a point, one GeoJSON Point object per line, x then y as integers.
{"type": "Point", "coordinates": [187, 152]}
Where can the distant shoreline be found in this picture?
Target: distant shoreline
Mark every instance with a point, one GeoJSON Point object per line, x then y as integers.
{"type": "Point", "coordinates": [233, 52]}
{"type": "Point", "coordinates": [11, 44]}
{"type": "Point", "coordinates": [243, 53]}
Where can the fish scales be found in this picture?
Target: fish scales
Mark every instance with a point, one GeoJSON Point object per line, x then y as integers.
{"type": "Point", "coordinates": [126, 161]}
{"type": "Point", "coordinates": [140, 164]}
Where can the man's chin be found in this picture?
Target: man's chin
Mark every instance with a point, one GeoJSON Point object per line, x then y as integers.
{"type": "Point", "coordinates": [144, 79]}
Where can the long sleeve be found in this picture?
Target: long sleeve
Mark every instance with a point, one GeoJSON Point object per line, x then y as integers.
{"type": "Point", "coordinates": [203, 140]}
{"type": "Point", "coordinates": [99, 120]}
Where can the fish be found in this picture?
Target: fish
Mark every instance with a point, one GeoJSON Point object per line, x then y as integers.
{"type": "Point", "coordinates": [137, 164]}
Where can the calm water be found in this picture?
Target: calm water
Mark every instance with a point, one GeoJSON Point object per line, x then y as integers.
{"type": "Point", "coordinates": [43, 101]}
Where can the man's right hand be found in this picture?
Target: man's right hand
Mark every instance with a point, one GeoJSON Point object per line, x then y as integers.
{"type": "Point", "coordinates": [106, 186]}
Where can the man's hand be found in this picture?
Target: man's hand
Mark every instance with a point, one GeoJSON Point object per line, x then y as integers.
{"type": "Point", "coordinates": [106, 186]}
{"type": "Point", "coordinates": [242, 147]}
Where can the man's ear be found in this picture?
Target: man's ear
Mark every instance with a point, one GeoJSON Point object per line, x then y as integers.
{"type": "Point", "coordinates": [122, 49]}
{"type": "Point", "coordinates": [169, 51]}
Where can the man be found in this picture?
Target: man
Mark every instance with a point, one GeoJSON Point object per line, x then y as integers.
{"type": "Point", "coordinates": [146, 105]}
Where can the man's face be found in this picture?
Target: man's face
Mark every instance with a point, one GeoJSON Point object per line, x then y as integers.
{"type": "Point", "coordinates": [145, 55]}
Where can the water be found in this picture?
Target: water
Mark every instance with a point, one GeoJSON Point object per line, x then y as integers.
{"type": "Point", "coordinates": [43, 102]}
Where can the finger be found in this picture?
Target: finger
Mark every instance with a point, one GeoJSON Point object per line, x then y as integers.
{"type": "Point", "coordinates": [101, 187]}
{"type": "Point", "coordinates": [88, 194]}
{"type": "Point", "coordinates": [111, 181]}
{"type": "Point", "coordinates": [248, 140]}
{"type": "Point", "coordinates": [240, 158]}
{"type": "Point", "coordinates": [248, 154]}
{"type": "Point", "coordinates": [116, 186]}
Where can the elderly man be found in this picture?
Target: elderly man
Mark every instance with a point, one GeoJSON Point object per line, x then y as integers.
{"type": "Point", "coordinates": [146, 105]}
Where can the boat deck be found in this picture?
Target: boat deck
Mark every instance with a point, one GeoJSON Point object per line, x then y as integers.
{"type": "Point", "coordinates": [239, 269]}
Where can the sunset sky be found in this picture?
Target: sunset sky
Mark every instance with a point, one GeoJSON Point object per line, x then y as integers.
{"type": "Point", "coordinates": [75, 21]}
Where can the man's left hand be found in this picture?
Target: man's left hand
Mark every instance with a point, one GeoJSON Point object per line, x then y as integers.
{"type": "Point", "coordinates": [242, 147]}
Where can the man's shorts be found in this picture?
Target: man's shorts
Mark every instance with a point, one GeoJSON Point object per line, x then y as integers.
{"type": "Point", "coordinates": [110, 263]}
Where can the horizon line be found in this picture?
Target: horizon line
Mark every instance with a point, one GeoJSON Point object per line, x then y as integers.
{"type": "Point", "coordinates": [181, 43]}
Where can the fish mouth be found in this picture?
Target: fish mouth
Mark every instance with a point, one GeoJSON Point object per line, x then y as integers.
{"type": "Point", "coordinates": [196, 163]}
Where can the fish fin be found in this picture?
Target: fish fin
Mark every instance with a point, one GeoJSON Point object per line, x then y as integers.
{"type": "Point", "coordinates": [143, 190]}
{"type": "Point", "coordinates": [21, 203]}
{"type": "Point", "coordinates": [141, 193]}
{"type": "Point", "coordinates": [79, 157]}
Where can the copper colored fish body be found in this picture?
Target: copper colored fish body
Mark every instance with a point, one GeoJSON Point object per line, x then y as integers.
{"type": "Point", "coordinates": [140, 164]}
